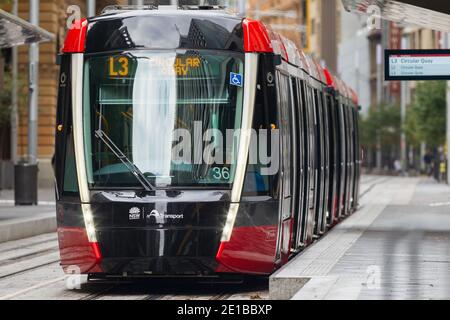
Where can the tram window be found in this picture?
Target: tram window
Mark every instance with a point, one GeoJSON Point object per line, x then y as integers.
{"type": "Point", "coordinates": [174, 115]}
{"type": "Point", "coordinates": [305, 124]}
{"type": "Point", "coordinates": [65, 167]}
{"type": "Point", "coordinates": [319, 130]}
{"type": "Point", "coordinates": [285, 126]}
{"type": "Point", "coordinates": [256, 183]}
{"type": "Point", "coordinates": [70, 173]}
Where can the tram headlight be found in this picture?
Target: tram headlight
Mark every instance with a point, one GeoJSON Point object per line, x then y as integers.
{"type": "Point", "coordinates": [89, 222]}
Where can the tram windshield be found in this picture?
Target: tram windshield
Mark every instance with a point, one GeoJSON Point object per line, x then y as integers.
{"type": "Point", "coordinates": [174, 116]}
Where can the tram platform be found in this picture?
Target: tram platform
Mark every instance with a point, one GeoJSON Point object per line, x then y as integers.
{"type": "Point", "coordinates": [19, 222]}
{"type": "Point", "coordinates": [396, 246]}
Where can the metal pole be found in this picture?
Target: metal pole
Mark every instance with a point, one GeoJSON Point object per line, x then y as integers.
{"type": "Point", "coordinates": [257, 10]}
{"type": "Point", "coordinates": [403, 98]}
{"type": "Point", "coordinates": [33, 89]}
{"type": "Point", "coordinates": [379, 100]}
{"type": "Point", "coordinates": [91, 8]}
{"type": "Point", "coordinates": [448, 116]}
{"type": "Point", "coordinates": [14, 107]}
{"type": "Point", "coordinates": [242, 7]}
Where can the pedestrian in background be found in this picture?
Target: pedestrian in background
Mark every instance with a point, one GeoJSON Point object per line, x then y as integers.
{"type": "Point", "coordinates": [398, 167]}
{"type": "Point", "coordinates": [428, 159]}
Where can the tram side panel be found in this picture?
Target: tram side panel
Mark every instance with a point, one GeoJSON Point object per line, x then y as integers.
{"type": "Point", "coordinates": [255, 245]}
{"type": "Point", "coordinates": [77, 253]}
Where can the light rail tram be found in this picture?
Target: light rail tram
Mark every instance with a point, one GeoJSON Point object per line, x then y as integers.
{"type": "Point", "coordinates": [193, 142]}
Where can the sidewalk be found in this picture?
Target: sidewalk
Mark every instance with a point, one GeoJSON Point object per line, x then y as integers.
{"type": "Point", "coordinates": [26, 221]}
{"type": "Point", "coordinates": [394, 247]}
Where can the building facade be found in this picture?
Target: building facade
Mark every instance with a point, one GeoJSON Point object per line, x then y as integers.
{"type": "Point", "coordinates": [354, 57]}
{"type": "Point", "coordinates": [324, 31]}
{"type": "Point", "coordinates": [313, 25]}
{"type": "Point", "coordinates": [287, 17]}
{"type": "Point", "coordinates": [53, 18]}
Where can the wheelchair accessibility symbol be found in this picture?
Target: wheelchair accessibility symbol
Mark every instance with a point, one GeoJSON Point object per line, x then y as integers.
{"type": "Point", "coordinates": [236, 79]}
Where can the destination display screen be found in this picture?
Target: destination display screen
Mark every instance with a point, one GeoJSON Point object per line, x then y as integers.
{"type": "Point", "coordinates": [417, 64]}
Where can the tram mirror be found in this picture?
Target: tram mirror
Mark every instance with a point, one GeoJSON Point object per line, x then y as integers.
{"type": "Point", "coordinates": [58, 59]}
{"type": "Point", "coordinates": [277, 59]}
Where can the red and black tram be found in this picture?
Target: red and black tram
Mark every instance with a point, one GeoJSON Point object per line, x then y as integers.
{"type": "Point", "coordinates": [196, 143]}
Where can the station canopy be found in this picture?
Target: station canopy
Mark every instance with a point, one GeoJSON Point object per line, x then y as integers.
{"type": "Point", "coordinates": [431, 14]}
{"type": "Point", "coordinates": [15, 31]}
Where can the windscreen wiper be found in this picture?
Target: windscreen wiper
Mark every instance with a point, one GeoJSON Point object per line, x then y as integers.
{"type": "Point", "coordinates": [100, 134]}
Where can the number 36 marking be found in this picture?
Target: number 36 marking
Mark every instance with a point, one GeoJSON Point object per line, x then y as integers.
{"type": "Point", "coordinates": [221, 173]}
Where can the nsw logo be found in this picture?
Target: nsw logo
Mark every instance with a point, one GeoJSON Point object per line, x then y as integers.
{"type": "Point", "coordinates": [134, 214]}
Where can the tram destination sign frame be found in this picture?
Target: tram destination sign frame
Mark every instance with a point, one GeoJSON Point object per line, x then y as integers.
{"type": "Point", "coordinates": [417, 65]}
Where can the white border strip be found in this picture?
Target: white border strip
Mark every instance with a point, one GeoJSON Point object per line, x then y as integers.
{"type": "Point", "coordinates": [77, 111]}
{"type": "Point", "coordinates": [250, 82]}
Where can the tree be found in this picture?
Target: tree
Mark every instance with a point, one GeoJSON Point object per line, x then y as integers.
{"type": "Point", "coordinates": [384, 121]}
{"type": "Point", "coordinates": [410, 127]}
{"type": "Point", "coordinates": [5, 99]}
{"type": "Point", "coordinates": [427, 115]}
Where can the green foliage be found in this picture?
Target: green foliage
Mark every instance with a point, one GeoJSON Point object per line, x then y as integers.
{"type": "Point", "coordinates": [385, 121]}
{"type": "Point", "coordinates": [413, 136]}
{"type": "Point", "coordinates": [426, 120]}
{"type": "Point", "coordinates": [6, 96]}
{"type": "Point", "coordinates": [5, 99]}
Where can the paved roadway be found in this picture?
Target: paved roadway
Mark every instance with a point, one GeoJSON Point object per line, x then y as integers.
{"type": "Point", "coordinates": [407, 239]}
{"type": "Point", "coordinates": [395, 248]}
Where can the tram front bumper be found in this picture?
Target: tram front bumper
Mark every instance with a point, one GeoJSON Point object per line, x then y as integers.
{"type": "Point", "coordinates": [159, 251]}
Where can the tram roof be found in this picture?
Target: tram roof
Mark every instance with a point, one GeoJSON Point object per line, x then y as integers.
{"type": "Point", "coordinates": [218, 28]}
{"type": "Point", "coordinates": [157, 29]}
{"type": "Point", "coordinates": [169, 11]}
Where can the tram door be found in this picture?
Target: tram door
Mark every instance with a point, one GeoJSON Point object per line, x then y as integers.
{"type": "Point", "coordinates": [338, 126]}
{"type": "Point", "coordinates": [351, 192]}
{"type": "Point", "coordinates": [320, 162]}
{"type": "Point", "coordinates": [64, 165]}
{"type": "Point", "coordinates": [343, 160]}
{"type": "Point", "coordinates": [326, 159]}
{"type": "Point", "coordinates": [305, 226]}
{"type": "Point", "coordinates": [299, 171]}
{"type": "Point", "coordinates": [332, 135]}
{"type": "Point", "coordinates": [349, 160]}
{"type": "Point", "coordinates": [357, 159]}
{"type": "Point", "coordinates": [312, 174]}
{"type": "Point", "coordinates": [285, 124]}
